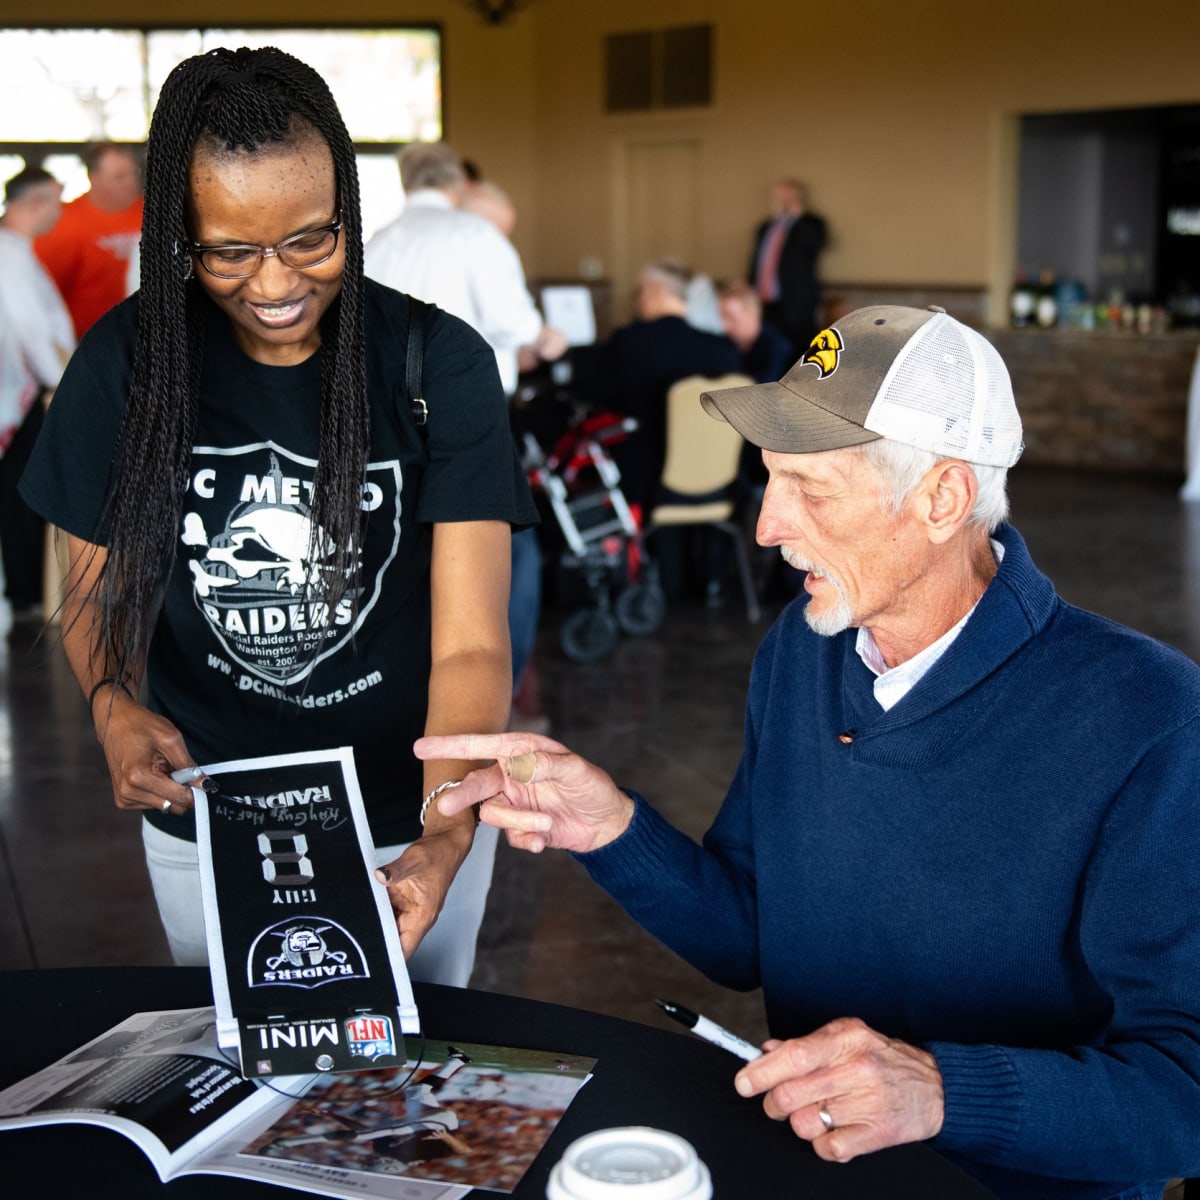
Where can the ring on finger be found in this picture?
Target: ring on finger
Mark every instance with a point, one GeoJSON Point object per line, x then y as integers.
{"type": "Point", "coordinates": [166, 806]}
{"type": "Point", "coordinates": [825, 1118]}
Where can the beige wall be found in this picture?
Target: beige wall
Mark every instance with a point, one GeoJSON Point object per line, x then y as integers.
{"type": "Point", "coordinates": [901, 117]}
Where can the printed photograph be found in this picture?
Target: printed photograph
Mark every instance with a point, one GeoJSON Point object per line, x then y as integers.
{"type": "Point", "coordinates": [462, 1113]}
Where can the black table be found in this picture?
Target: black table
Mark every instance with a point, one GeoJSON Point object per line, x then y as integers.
{"type": "Point", "coordinates": [643, 1076]}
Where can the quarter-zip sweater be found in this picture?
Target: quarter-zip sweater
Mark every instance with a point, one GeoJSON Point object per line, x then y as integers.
{"type": "Point", "coordinates": [1002, 868]}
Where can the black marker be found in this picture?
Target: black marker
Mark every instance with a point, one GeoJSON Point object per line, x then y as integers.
{"type": "Point", "coordinates": [710, 1031]}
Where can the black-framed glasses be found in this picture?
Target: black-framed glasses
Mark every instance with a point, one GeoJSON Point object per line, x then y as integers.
{"type": "Point", "coordinates": [301, 252]}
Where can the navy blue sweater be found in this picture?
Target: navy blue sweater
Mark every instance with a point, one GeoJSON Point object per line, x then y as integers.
{"type": "Point", "coordinates": [1002, 868]}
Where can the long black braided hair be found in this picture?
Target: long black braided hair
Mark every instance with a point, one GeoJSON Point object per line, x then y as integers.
{"type": "Point", "coordinates": [235, 100]}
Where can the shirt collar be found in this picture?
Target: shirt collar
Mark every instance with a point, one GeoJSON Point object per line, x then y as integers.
{"type": "Point", "coordinates": [892, 684]}
{"type": "Point", "coordinates": [429, 198]}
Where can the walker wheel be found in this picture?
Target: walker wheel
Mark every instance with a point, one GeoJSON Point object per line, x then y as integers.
{"type": "Point", "coordinates": [641, 608]}
{"type": "Point", "coordinates": [589, 635]}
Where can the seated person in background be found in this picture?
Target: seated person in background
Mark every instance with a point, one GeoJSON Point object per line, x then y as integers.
{"type": "Point", "coordinates": [766, 353]}
{"type": "Point", "coordinates": [633, 370]}
{"type": "Point", "coordinates": [958, 852]}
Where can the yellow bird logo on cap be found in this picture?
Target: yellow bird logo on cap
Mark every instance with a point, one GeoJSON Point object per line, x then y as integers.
{"type": "Point", "coordinates": [824, 351]}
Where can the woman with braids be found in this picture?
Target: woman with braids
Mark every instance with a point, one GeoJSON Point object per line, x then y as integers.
{"type": "Point", "coordinates": [269, 552]}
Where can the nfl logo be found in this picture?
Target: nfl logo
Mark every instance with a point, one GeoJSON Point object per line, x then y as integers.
{"type": "Point", "coordinates": [370, 1037]}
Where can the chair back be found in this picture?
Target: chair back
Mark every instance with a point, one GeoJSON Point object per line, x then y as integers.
{"type": "Point", "coordinates": [703, 453]}
{"type": "Point", "coordinates": [700, 471]}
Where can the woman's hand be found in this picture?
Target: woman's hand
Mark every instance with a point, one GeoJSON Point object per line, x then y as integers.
{"type": "Point", "coordinates": [417, 881]}
{"type": "Point", "coordinates": [537, 791]}
{"type": "Point", "coordinates": [141, 749]}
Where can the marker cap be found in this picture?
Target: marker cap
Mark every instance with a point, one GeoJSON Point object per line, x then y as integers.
{"type": "Point", "coordinates": [632, 1162]}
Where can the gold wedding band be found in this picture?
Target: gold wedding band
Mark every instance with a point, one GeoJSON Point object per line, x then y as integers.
{"type": "Point", "coordinates": [522, 766]}
{"type": "Point", "coordinates": [826, 1119]}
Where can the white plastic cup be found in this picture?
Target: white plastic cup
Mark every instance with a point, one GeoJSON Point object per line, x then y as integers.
{"type": "Point", "coordinates": [630, 1163]}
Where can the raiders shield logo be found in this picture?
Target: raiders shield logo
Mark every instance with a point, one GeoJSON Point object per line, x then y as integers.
{"type": "Point", "coordinates": [258, 564]}
{"type": "Point", "coordinates": [304, 953]}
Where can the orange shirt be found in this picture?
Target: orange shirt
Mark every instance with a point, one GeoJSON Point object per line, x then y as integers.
{"type": "Point", "coordinates": [87, 254]}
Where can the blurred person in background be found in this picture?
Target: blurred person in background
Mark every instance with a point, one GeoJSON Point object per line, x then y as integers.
{"type": "Point", "coordinates": [783, 265]}
{"type": "Point", "coordinates": [36, 339]}
{"type": "Point", "coordinates": [450, 247]}
{"type": "Point", "coordinates": [458, 260]}
{"type": "Point", "coordinates": [632, 371]}
{"type": "Point", "coordinates": [88, 253]}
{"type": "Point", "coordinates": [766, 353]}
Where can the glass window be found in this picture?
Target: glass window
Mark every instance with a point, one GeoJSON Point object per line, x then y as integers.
{"type": "Point", "coordinates": [60, 89]}
{"type": "Point", "coordinates": [71, 85]}
{"type": "Point", "coordinates": [81, 85]}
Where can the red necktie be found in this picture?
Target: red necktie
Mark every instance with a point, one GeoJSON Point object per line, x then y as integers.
{"type": "Point", "coordinates": [768, 263]}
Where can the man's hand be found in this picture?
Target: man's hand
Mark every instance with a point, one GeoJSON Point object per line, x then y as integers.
{"type": "Point", "coordinates": [551, 344]}
{"type": "Point", "coordinates": [537, 791]}
{"type": "Point", "coordinates": [875, 1091]}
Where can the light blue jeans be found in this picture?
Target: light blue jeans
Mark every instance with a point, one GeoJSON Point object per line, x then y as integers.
{"type": "Point", "coordinates": [447, 954]}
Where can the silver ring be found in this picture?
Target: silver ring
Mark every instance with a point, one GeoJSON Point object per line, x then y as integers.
{"type": "Point", "coordinates": [166, 806]}
{"type": "Point", "coordinates": [826, 1119]}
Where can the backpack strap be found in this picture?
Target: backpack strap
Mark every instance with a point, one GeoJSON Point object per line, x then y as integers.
{"type": "Point", "coordinates": [414, 362]}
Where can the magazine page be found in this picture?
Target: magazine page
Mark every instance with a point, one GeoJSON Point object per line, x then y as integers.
{"type": "Point", "coordinates": [159, 1078]}
{"type": "Point", "coordinates": [462, 1116]}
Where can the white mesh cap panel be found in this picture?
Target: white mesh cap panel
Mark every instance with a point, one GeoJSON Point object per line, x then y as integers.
{"type": "Point", "coordinates": [948, 391]}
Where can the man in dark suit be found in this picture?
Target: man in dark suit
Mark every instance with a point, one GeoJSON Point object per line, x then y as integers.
{"type": "Point", "coordinates": [633, 370]}
{"type": "Point", "coordinates": [783, 267]}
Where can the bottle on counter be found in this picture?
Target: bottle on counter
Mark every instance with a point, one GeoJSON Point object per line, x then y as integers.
{"type": "Point", "coordinates": [1021, 301]}
{"type": "Point", "coordinates": [1046, 306]}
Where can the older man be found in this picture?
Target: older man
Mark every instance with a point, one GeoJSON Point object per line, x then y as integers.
{"type": "Point", "coordinates": [958, 851]}
{"type": "Point", "coordinates": [633, 369]}
{"type": "Point", "coordinates": [459, 260]}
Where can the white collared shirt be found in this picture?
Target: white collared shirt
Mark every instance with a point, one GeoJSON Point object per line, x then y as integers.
{"type": "Point", "coordinates": [463, 264]}
{"type": "Point", "coordinates": [892, 685]}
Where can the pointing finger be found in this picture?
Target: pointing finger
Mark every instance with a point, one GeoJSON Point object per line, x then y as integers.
{"type": "Point", "coordinates": [482, 746]}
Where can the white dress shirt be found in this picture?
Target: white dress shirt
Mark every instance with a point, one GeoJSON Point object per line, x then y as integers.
{"type": "Point", "coordinates": [893, 684]}
{"type": "Point", "coordinates": [462, 263]}
{"type": "Point", "coordinates": [36, 334]}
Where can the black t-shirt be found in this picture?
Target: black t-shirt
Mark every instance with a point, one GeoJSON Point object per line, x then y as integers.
{"type": "Point", "coordinates": [230, 662]}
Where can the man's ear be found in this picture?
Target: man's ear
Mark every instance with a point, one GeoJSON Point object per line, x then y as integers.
{"type": "Point", "coordinates": [949, 492]}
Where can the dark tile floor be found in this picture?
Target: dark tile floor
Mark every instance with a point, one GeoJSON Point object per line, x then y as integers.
{"type": "Point", "coordinates": [663, 715]}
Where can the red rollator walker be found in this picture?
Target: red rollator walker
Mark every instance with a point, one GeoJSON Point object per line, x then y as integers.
{"type": "Point", "coordinates": [603, 538]}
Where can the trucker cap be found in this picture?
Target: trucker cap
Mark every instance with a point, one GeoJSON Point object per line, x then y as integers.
{"type": "Point", "coordinates": [914, 375]}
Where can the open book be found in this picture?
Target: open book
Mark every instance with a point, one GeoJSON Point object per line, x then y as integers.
{"type": "Point", "coordinates": [454, 1117]}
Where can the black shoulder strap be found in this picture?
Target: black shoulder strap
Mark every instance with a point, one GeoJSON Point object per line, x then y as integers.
{"type": "Point", "coordinates": [414, 362]}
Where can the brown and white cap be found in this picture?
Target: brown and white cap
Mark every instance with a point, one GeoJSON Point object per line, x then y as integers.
{"type": "Point", "coordinates": [914, 375]}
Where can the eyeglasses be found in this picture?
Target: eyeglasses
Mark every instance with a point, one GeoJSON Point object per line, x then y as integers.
{"type": "Point", "coordinates": [301, 252]}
